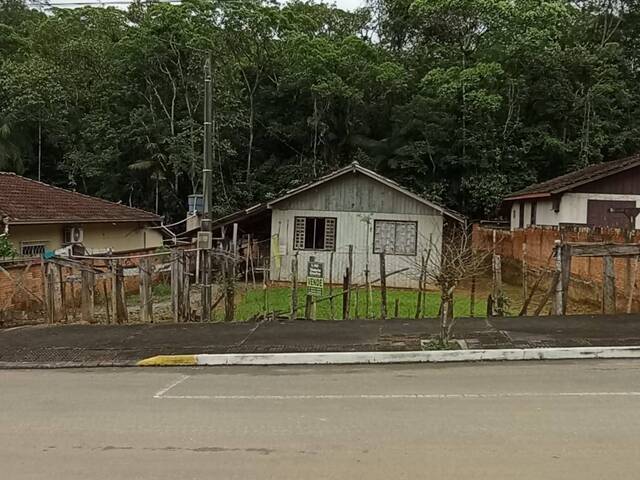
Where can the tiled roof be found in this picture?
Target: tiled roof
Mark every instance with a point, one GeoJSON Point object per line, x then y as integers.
{"type": "Point", "coordinates": [28, 201]}
{"type": "Point", "coordinates": [574, 179]}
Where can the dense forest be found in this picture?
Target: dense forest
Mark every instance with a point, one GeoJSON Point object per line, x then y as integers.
{"type": "Point", "coordinates": [462, 101]}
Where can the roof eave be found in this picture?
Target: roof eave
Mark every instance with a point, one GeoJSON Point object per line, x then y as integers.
{"type": "Point", "coordinates": [82, 221]}
{"type": "Point", "coordinates": [528, 196]}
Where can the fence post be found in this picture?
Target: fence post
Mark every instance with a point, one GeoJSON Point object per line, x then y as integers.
{"type": "Point", "coordinates": [383, 288]}
{"type": "Point", "coordinates": [632, 285]}
{"type": "Point", "coordinates": [557, 299]}
{"type": "Point", "coordinates": [146, 297]}
{"type": "Point", "coordinates": [609, 286]}
{"type": "Point", "coordinates": [331, 304]}
{"type": "Point", "coordinates": [525, 289]}
{"type": "Point", "coordinates": [497, 285]}
{"type": "Point", "coordinates": [176, 294]}
{"type": "Point", "coordinates": [294, 287]}
{"type": "Point", "coordinates": [87, 293]}
{"type": "Point", "coordinates": [347, 312]}
{"type": "Point", "coordinates": [420, 287]}
{"type": "Point", "coordinates": [186, 287]}
{"type": "Point", "coordinates": [308, 298]}
{"type": "Point", "coordinates": [122, 314]}
{"type": "Point", "coordinates": [472, 299]}
{"type": "Point", "coordinates": [345, 288]}
{"type": "Point", "coordinates": [229, 284]}
{"type": "Point", "coordinates": [51, 292]}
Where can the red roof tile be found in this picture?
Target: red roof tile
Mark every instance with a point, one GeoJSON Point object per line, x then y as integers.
{"type": "Point", "coordinates": [28, 201]}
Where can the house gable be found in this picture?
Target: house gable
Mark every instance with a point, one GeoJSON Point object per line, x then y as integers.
{"type": "Point", "coordinates": [622, 183]}
{"type": "Point", "coordinates": [355, 192]}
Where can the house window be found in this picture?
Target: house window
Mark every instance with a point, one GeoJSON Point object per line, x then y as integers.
{"type": "Point", "coordinates": [395, 237]}
{"type": "Point", "coordinates": [314, 233]}
{"type": "Point", "coordinates": [534, 207]}
{"type": "Point", "coordinates": [32, 249]}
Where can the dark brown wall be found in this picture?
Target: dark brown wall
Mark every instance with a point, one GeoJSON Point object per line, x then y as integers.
{"type": "Point", "coordinates": [627, 182]}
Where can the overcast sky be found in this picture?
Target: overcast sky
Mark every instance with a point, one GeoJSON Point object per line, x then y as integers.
{"type": "Point", "coordinates": [349, 4]}
{"type": "Point", "coordinates": [344, 4]}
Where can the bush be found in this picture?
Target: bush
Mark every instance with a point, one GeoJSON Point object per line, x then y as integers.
{"type": "Point", "coordinates": [6, 248]}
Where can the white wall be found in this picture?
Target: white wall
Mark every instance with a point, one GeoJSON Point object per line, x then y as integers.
{"type": "Point", "coordinates": [573, 209]}
{"type": "Point", "coordinates": [351, 228]}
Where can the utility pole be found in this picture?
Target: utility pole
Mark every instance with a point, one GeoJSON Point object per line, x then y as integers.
{"type": "Point", "coordinates": [205, 227]}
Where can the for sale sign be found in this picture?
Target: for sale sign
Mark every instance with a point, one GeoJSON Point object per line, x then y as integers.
{"type": "Point", "coordinates": [315, 279]}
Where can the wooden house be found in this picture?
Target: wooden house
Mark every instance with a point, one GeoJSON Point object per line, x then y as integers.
{"type": "Point", "coordinates": [350, 210]}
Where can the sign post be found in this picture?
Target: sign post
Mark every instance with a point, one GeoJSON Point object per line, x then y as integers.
{"type": "Point", "coordinates": [315, 278]}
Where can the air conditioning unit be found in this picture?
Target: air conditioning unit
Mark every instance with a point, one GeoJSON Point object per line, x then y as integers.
{"type": "Point", "coordinates": [73, 235]}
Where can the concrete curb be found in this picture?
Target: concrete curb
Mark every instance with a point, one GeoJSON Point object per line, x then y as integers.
{"type": "Point", "coordinates": [441, 356]}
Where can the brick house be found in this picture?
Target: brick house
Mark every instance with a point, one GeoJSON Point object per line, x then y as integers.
{"type": "Point", "coordinates": [38, 217]}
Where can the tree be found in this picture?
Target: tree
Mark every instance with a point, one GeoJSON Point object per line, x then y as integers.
{"type": "Point", "coordinates": [446, 264]}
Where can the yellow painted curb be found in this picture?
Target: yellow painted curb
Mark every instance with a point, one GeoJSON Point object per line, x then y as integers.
{"type": "Point", "coordinates": [168, 360]}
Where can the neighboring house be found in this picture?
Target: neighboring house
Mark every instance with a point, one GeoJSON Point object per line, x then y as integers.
{"type": "Point", "coordinates": [352, 206]}
{"type": "Point", "coordinates": [583, 197]}
{"type": "Point", "coordinates": [39, 217]}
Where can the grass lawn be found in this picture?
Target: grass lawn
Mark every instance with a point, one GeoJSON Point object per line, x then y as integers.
{"type": "Point", "coordinates": [252, 302]}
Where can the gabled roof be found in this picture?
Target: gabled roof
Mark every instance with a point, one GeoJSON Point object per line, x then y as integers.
{"type": "Point", "coordinates": [575, 179]}
{"type": "Point", "coordinates": [355, 167]}
{"type": "Point", "coordinates": [352, 168]}
{"type": "Point", "coordinates": [26, 201]}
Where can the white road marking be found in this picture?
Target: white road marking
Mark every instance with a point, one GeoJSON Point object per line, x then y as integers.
{"type": "Point", "coordinates": [160, 393]}
{"type": "Point", "coordinates": [420, 396]}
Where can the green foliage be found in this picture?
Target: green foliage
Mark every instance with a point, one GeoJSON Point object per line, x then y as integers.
{"type": "Point", "coordinates": [6, 248]}
{"type": "Point", "coordinates": [279, 299]}
{"type": "Point", "coordinates": [460, 100]}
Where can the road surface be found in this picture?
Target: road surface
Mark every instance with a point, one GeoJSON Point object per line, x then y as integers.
{"type": "Point", "coordinates": [561, 420]}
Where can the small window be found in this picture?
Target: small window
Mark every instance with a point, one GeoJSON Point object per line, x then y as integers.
{"type": "Point", "coordinates": [32, 249]}
{"type": "Point", "coordinates": [395, 237]}
{"type": "Point", "coordinates": [314, 233]}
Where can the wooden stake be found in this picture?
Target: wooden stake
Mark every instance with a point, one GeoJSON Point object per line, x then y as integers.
{"type": "Point", "coordinates": [146, 297]}
{"type": "Point", "coordinates": [121, 312]}
{"type": "Point", "coordinates": [383, 288]}
{"type": "Point", "coordinates": [87, 293]}
{"type": "Point", "coordinates": [566, 275]}
{"type": "Point", "coordinates": [472, 299]}
{"type": "Point", "coordinates": [497, 285]}
{"type": "Point", "coordinates": [345, 288]}
{"type": "Point", "coordinates": [609, 286]}
{"type": "Point", "coordinates": [176, 294]}
{"type": "Point", "coordinates": [294, 287]}
{"type": "Point", "coordinates": [347, 312]}
{"type": "Point", "coordinates": [420, 289]}
{"type": "Point", "coordinates": [396, 311]}
{"type": "Point", "coordinates": [332, 313]}
{"type": "Point", "coordinates": [107, 301]}
{"type": "Point", "coordinates": [367, 300]}
{"type": "Point", "coordinates": [634, 275]}
{"type": "Point", "coordinates": [63, 296]}
{"type": "Point", "coordinates": [525, 291]}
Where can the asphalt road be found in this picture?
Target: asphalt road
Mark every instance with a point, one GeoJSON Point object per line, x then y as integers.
{"type": "Point", "coordinates": [573, 420]}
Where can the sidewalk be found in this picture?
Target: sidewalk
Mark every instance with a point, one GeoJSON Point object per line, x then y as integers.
{"type": "Point", "coordinates": [123, 345]}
